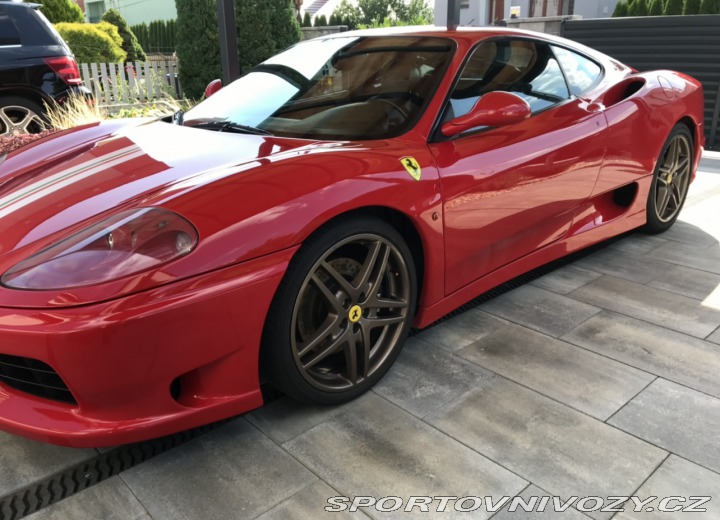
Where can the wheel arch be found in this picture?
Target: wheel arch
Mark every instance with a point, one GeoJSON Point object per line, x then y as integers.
{"type": "Point", "coordinates": [27, 93]}
{"type": "Point", "coordinates": [402, 223]}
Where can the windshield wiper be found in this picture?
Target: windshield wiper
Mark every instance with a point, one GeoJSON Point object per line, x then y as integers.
{"type": "Point", "coordinates": [229, 126]}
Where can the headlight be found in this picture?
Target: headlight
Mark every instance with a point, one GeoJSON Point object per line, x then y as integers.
{"type": "Point", "coordinates": [126, 243]}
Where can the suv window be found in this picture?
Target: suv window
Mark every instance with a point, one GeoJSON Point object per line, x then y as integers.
{"type": "Point", "coordinates": [523, 67]}
{"type": "Point", "coordinates": [581, 72]}
{"type": "Point", "coordinates": [9, 35]}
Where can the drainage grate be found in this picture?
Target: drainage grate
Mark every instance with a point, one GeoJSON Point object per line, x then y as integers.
{"type": "Point", "coordinates": [68, 482]}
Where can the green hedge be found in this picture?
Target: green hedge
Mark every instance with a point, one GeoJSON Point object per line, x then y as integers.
{"type": "Point", "coordinates": [129, 42]}
{"type": "Point", "coordinates": [93, 42]}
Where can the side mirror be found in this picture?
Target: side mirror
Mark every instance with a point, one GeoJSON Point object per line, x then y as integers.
{"type": "Point", "coordinates": [492, 109]}
{"type": "Point", "coordinates": [213, 87]}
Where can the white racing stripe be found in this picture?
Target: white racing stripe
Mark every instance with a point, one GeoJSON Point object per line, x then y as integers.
{"type": "Point", "coordinates": [60, 180]}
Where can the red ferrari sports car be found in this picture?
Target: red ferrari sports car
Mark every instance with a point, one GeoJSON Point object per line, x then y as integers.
{"type": "Point", "coordinates": [295, 225]}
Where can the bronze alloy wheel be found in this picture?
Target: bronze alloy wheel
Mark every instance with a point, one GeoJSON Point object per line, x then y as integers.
{"type": "Point", "coordinates": [350, 312]}
{"type": "Point", "coordinates": [342, 312]}
{"type": "Point", "coordinates": [671, 180]}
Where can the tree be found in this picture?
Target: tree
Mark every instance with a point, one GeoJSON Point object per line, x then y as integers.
{"type": "Point", "coordinates": [691, 7]}
{"type": "Point", "coordinates": [307, 20]}
{"type": "Point", "coordinates": [375, 11]}
{"type": "Point", "coordinates": [638, 8]}
{"type": "Point", "coordinates": [710, 7]}
{"type": "Point", "coordinates": [130, 43]}
{"type": "Point", "coordinates": [674, 7]}
{"type": "Point", "coordinates": [413, 12]}
{"type": "Point", "coordinates": [348, 14]}
{"type": "Point", "coordinates": [59, 11]}
{"type": "Point", "coordinates": [285, 29]}
{"type": "Point", "coordinates": [198, 49]}
{"type": "Point", "coordinates": [92, 42]}
{"type": "Point", "coordinates": [621, 9]}
{"type": "Point", "coordinates": [321, 21]}
{"type": "Point", "coordinates": [656, 8]}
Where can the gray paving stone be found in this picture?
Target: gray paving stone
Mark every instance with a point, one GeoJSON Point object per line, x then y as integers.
{"type": "Point", "coordinates": [462, 330]}
{"type": "Point", "coordinates": [688, 235]}
{"type": "Point", "coordinates": [664, 308]}
{"type": "Point", "coordinates": [666, 353]}
{"type": "Point", "coordinates": [627, 266]}
{"type": "Point", "coordinates": [715, 336]}
{"type": "Point", "coordinates": [585, 381]}
{"type": "Point", "coordinates": [697, 257]}
{"type": "Point", "coordinates": [23, 461]}
{"type": "Point", "coordinates": [565, 279]}
{"type": "Point", "coordinates": [541, 310]}
{"type": "Point", "coordinates": [285, 418]}
{"type": "Point", "coordinates": [232, 472]}
{"type": "Point", "coordinates": [108, 500]}
{"type": "Point", "coordinates": [558, 449]}
{"type": "Point", "coordinates": [374, 448]}
{"type": "Point", "coordinates": [425, 377]}
{"type": "Point", "coordinates": [692, 283]}
{"type": "Point", "coordinates": [681, 420]}
{"type": "Point", "coordinates": [638, 243]}
{"type": "Point", "coordinates": [513, 511]}
{"type": "Point", "coordinates": [677, 477]}
{"type": "Point", "coordinates": [310, 504]}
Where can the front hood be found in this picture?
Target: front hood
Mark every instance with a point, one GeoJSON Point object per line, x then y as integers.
{"type": "Point", "coordinates": [37, 205]}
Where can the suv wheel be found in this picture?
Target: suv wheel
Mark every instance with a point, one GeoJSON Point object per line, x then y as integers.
{"type": "Point", "coordinates": [20, 116]}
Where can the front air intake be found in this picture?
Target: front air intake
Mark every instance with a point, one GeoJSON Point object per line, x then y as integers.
{"type": "Point", "coordinates": [34, 377]}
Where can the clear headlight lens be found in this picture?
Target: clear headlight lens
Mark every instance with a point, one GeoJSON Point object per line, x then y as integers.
{"type": "Point", "coordinates": [128, 242]}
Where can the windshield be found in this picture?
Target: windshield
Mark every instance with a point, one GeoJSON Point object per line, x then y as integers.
{"type": "Point", "coordinates": [336, 89]}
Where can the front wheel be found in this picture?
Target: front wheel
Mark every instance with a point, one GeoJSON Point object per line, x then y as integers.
{"type": "Point", "coordinates": [342, 312]}
{"type": "Point", "coordinates": [671, 180]}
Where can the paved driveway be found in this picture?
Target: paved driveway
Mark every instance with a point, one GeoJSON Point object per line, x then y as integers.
{"type": "Point", "coordinates": [601, 378]}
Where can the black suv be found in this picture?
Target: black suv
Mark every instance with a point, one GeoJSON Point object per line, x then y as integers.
{"type": "Point", "coordinates": [36, 68]}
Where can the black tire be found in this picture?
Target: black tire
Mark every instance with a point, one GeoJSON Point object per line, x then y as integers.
{"type": "Point", "coordinates": [342, 312]}
{"type": "Point", "coordinates": [19, 115]}
{"type": "Point", "coordinates": [671, 180]}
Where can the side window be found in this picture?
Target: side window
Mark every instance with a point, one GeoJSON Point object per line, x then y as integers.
{"type": "Point", "coordinates": [523, 67]}
{"type": "Point", "coordinates": [9, 34]}
{"type": "Point", "coordinates": [581, 72]}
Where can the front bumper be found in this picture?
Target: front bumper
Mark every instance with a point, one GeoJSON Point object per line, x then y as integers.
{"type": "Point", "coordinates": [146, 365]}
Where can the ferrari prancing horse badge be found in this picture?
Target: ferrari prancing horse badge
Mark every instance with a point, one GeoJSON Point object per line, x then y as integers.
{"type": "Point", "coordinates": [412, 167]}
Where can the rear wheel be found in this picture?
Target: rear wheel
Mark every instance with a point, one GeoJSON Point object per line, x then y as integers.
{"type": "Point", "coordinates": [671, 180]}
{"type": "Point", "coordinates": [20, 116]}
{"type": "Point", "coordinates": [342, 313]}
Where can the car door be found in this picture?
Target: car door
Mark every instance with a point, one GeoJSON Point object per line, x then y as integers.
{"type": "Point", "coordinates": [510, 190]}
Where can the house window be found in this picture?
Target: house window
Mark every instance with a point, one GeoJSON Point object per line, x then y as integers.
{"type": "Point", "coordinates": [95, 10]}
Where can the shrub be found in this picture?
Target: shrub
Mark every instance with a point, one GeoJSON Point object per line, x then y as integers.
{"type": "Point", "coordinates": [274, 29]}
{"type": "Point", "coordinates": [638, 8]}
{"type": "Point", "coordinates": [130, 44]}
{"type": "Point", "coordinates": [656, 8]}
{"type": "Point", "coordinates": [621, 9]}
{"type": "Point", "coordinates": [674, 7]}
{"type": "Point", "coordinates": [197, 47]}
{"type": "Point", "coordinates": [710, 7]}
{"type": "Point", "coordinates": [285, 29]}
{"type": "Point", "coordinates": [691, 7]}
{"type": "Point", "coordinates": [93, 43]}
{"type": "Point", "coordinates": [307, 20]}
{"type": "Point", "coordinates": [321, 21]}
{"type": "Point", "coordinates": [59, 11]}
